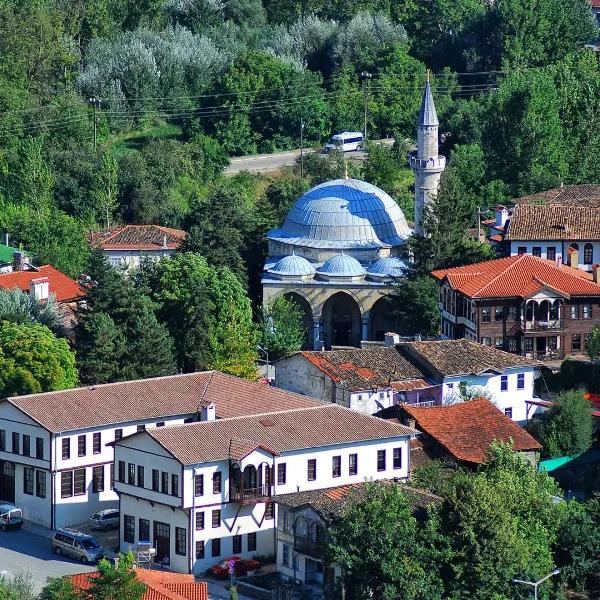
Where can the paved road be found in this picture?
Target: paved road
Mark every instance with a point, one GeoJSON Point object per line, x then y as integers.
{"type": "Point", "coordinates": [264, 163]}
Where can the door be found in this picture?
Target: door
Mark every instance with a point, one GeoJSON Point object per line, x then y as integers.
{"type": "Point", "coordinates": [162, 542]}
{"type": "Point", "coordinates": [7, 481]}
{"type": "Point", "coordinates": [342, 332]}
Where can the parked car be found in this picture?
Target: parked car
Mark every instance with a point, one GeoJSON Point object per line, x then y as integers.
{"type": "Point", "coordinates": [105, 519]}
{"type": "Point", "coordinates": [241, 567]}
{"type": "Point", "coordinates": [78, 545]}
{"type": "Point", "coordinates": [11, 516]}
{"type": "Point", "coordinates": [347, 141]}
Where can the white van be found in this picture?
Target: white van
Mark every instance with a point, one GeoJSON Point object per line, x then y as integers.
{"type": "Point", "coordinates": [347, 141]}
{"type": "Point", "coordinates": [11, 517]}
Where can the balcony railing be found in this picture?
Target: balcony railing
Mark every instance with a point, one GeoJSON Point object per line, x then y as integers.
{"type": "Point", "coordinates": [250, 495]}
{"type": "Point", "coordinates": [547, 355]}
{"type": "Point", "coordinates": [550, 325]}
{"type": "Point", "coordinates": [309, 547]}
{"type": "Point", "coordinates": [425, 404]}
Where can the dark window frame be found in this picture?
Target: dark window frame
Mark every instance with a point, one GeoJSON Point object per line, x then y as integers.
{"type": "Point", "coordinates": [26, 444]}
{"type": "Point", "coordinates": [175, 485]}
{"type": "Point", "coordinates": [79, 482]}
{"type": "Point", "coordinates": [40, 484]}
{"type": "Point", "coordinates": [251, 541]}
{"type": "Point", "coordinates": [28, 480]}
{"type": "Point", "coordinates": [66, 483]}
{"type": "Point", "coordinates": [520, 381]}
{"type": "Point", "coordinates": [144, 526]}
{"type": "Point", "coordinates": [281, 473]}
{"type": "Point", "coordinates": [180, 541]}
{"type": "Point", "coordinates": [381, 460]}
{"type": "Point", "coordinates": [504, 383]}
{"type": "Point", "coordinates": [81, 445]}
{"type": "Point", "coordinates": [397, 458]}
{"type": "Point", "coordinates": [198, 485]}
{"type": "Point", "coordinates": [66, 448]}
{"type": "Point", "coordinates": [353, 464]}
{"type": "Point", "coordinates": [39, 448]}
{"type": "Point", "coordinates": [199, 523]}
{"type": "Point", "coordinates": [141, 476]}
{"type": "Point", "coordinates": [217, 482]}
{"type": "Point", "coordinates": [97, 442]}
{"type": "Point", "coordinates": [215, 549]}
{"type": "Point", "coordinates": [336, 466]}
{"type": "Point", "coordinates": [216, 518]}
{"type": "Point", "coordinates": [200, 551]}
{"type": "Point", "coordinates": [129, 529]}
{"type": "Point", "coordinates": [16, 442]}
{"type": "Point", "coordinates": [155, 480]}
{"type": "Point", "coordinates": [311, 469]}
{"type": "Point", "coordinates": [98, 479]}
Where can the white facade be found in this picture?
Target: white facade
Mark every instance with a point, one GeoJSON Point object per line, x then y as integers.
{"type": "Point", "coordinates": [131, 259]}
{"type": "Point", "coordinates": [558, 251]}
{"type": "Point", "coordinates": [194, 549]}
{"type": "Point", "coordinates": [66, 491]}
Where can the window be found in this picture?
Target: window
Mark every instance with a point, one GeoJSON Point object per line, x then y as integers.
{"type": "Point", "coordinates": [381, 460]}
{"type": "Point", "coordinates": [528, 344]}
{"type": "Point", "coordinates": [217, 482]}
{"type": "Point", "coordinates": [499, 342]}
{"type": "Point", "coordinates": [486, 314]}
{"type": "Point", "coordinates": [28, 481]}
{"type": "Point", "coordinates": [574, 312]}
{"type": "Point", "coordinates": [81, 445]}
{"type": "Point", "coordinates": [141, 428]}
{"type": "Point", "coordinates": [336, 466]}
{"type": "Point", "coordinates": [199, 549]}
{"type": "Point", "coordinates": [216, 518]}
{"type": "Point", "coordinates": [397, 458]}
{"type": "Point", "coordinates": [112, 476]}
{"type": "Point", "coordinates": [118, 434]}
{"type": "Point", "coordinates": [198, 485]}
{"type": "Point", "coordinates": [521, 381]}
{"type": "Point", "coordinates": [536, 251]}
{"type": "Point", "coordinates": [66, 449]}
{"type": "Point", "coordinates": [512, 343]}
{"type": "Point", "coordinates": [551, 253]}
{"type": "Point", "coordinates": [512, 312]}
{"type": "Point", "coordinates": [129, 529]}
{"type": "Point", "coordinates": [155, 479]}
{"type": "Point", "coordinates": [39, 448]}
{"type": "Point", "coordinates": [576, 342]}
{"type": "Point", "coordinates": [252, 542]}
{"type": "Point", "coordinates": [486, 341]}
{"type": "Point", "coordinates": [281, 474]}
{"type": "Point", "coordinates": [521, 250]}
{"type": "Point", "coordinates": [180, 542]}
{"type": "Point", "coordinates": [553, 343]}
{"type": "Point", "coordinates": [285, 555]}
{"type": "Point", "coordinates": [3, 440]}
{"type": "Point", "coordinates": [237, 544]}
{"type": "Point", "coordinates": [131, 474]}
{"type": "Point", "coordinates": [312, 469]}
{"type": "Point", "coordinates": [269, 511]}
{"type": "Point", "coordinates": [97, 443]}
{"type": "Point", "coordinates": [498, 313]}
{"type": "Point", "coordinates": [15, 443]}
{"type": "Point", "coordinates": [144, 530]}
{"type": "Point", "coordinates": [79, 482]}
{"type": "Point", "coordinates": [26, 445]}
{"type": "Point", "coordinates": [122, 471]}
{"type": "Point", "coordinates": [215, 547]}
{"type": "Point", "coordinates": [164, 484]}
{"type": "Point", "coordinates": [160, 424]}
{"type": "Point", "coordinates": [508, 412]}
{"type": "Point", "coordinates": [504, 383]}
{"type": "Point", "coordinates": [199, 521]}
{"type": "Point", "coordinates": [98, 479]}
{"type": "Point", "coordinates": [40, 484]}
{"type": "Point", "coordinates": [141, 480]}
{"type": "Point", "coordinates": [66, 484]}
{"type": "Point", "coordinates": [588, 254]}
{"type": "Point", "coordinates": [174, 485]}
{"type": "Point", "coordinates": [353, 464]}
{"type": "Point", "coordinates": [587, 311]}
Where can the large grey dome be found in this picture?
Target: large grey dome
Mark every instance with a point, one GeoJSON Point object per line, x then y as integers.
{"type": "Point", "coordinates": [344, 213]}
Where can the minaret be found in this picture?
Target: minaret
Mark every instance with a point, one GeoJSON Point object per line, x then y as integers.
{"type": "Point", "coordinates": [426, 163]}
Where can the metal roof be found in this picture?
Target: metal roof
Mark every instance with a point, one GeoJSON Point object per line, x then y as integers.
{"type": "Point", "coordinates": [427, 114]}
{"type": "Point", "coordinates": [292, 265]}
{"type": "Point", "coordinates": [342, 265]}
{"type": "Point", "coordinates": [392, 266]}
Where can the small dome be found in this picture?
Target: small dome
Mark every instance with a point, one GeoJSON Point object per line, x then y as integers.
{"type": "Point", "coordinates": [292, 266]}
{"type": "Point", "coordinates": [391, 266]}
{"type": "Point", "coordinates": [341, 265]}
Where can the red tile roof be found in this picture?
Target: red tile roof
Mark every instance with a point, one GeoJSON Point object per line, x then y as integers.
{"type": "Point", "coordinates": [63, 287]}
{"type": "Point", "coordinates": [138, 237]}
{"type": "Point", "coordinates": [160, 585]}
{"type": "Point", "coordinates": [517, 276]}
{"type": "Point", "coordinates": [141, 399]}
{"type": "Point", "coordinates": [467, 429]}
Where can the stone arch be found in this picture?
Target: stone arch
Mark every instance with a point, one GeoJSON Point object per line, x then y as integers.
{"type": "Point", "coordinates": [342, 323]}
{"type": "Point", "coordinates": [382, 319]}
{"type": "Point", "coordinates": [307, 316]}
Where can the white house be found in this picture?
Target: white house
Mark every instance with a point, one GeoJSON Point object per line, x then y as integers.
{"type": "Point", "coordinates": [208, 490]}
{"type": "Point", "coordinates": [55, 458]}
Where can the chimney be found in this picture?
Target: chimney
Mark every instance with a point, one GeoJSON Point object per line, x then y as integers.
{"type": "Point", "coordinates": [208, 412]}
{"type": "Point", "coordinates": [39, 288]}
{"type": "Point", "coordinates": [596, 273]}
{"type": "Point", "coordinates": [164, 242]}
{"type": "Point", "coordinates": [559, 261]}
{"type": "Point", "coordinates": [18, 260]}
{"type": "Point", "coordinates": [573, 258]}
{"type": "Point", "coordinates": [391, 339]}
{"type": "Point", "coordinates": [501, 216]}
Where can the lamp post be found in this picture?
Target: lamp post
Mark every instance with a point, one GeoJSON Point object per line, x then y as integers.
{"type": "Point", "coordinates": [261, 349]}
{"type": "Point", "coordinates": [536, 584]}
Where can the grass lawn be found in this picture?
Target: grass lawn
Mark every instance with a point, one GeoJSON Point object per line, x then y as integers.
{"type": "Point", "coordinates": [133, 141]}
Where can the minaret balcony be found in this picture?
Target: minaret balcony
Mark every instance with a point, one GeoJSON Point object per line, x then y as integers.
{"type": "Point", "coordinates": [433, 163]}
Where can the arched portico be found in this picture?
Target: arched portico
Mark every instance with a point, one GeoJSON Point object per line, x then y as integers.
{"type": "Point", "coordinates": [307, 317]}
{"type": "Point", "coordinates": [383, 319]}
{"type": "Point", "coordinates": [342, 323]}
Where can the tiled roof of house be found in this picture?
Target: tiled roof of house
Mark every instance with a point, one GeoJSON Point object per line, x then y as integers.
{"type": "Point", "coordinates": [574, 195]}
{"type": "Point", "coordinates": [323, 425]}
{"type": "Point", "coordinates": [160, 585]}
{"type": "Point", "coordinates": [96, 405]}
{"type": "Point", "coordinates": [554, 222]}
{"type": "Point", "coordinates": [361, 369]}
{"type": "Point", "coordinates": [63, 287]}
{"type": "Point", "coordinates": [138, 237]}
{"type": "Point", "coordinates": [467, 429]}
{"type": "Point", "coordinates": [331, 503]}
{"type": "Point", "coordinates": [462, 357]}
{"type": "Point", "coordinates": [517, 276]}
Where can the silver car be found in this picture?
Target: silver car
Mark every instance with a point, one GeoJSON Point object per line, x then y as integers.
{"type": "Point", "coordinates": [77, 545]}
{"type": "Point", "coordinates": [105, 519]}
{"type": "Point", "coordinates": [11, 516]}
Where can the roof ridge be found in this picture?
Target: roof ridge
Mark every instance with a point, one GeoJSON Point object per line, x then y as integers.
{"type": "Point", "coordinates": [519, 260]}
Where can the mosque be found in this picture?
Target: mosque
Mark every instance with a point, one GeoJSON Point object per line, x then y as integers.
{"type": "Point", "coordinates": [342, 244]}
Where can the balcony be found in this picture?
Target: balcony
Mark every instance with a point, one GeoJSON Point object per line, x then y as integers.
{"type": "Point", "coordinates": [550, 325]}
{"type": "Point", "coordinates": [250, 495]}
{"type": "Point", "coordinates": [309, 547]}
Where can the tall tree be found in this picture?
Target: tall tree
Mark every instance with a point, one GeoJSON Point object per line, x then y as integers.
{"type": "Point", "coordinates": [282, 329]}
{"type": "Point", "coordinates": [414, 304]}
{"type": "Point", "coordinates": [116, 580]}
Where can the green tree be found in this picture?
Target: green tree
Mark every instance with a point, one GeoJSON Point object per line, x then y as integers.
{"type": "Point", "coordinates": [282, 329]}
{"type": "Point", "coordinates": [19, 587]}
{"type": "Point", "coordinates": [414, 303]}
{"type": "Point", "coordinates": [33, 359]}
{"type": "Point", "coordinates": [116, 580]}
{"type": "Point", "coordinates": [105, 189]}
{"type": "Point", "coordinates": [592, 346]}
{"type": "Point", "coordinates": [18, 307]}
{"type": "Point", "coordinates": [567, 427]}
{"type": "Point", "coordinates": [60, 588]}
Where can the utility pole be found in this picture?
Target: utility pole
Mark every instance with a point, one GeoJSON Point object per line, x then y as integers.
{"type": "Point", "coordinates": [301, 148]}
{"type": "Point", "coordinates": [536, 584]}
{"type": "Point", "coordinates": [365, 76]}
{"type": "Point", "coordinates": [95, 102]}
